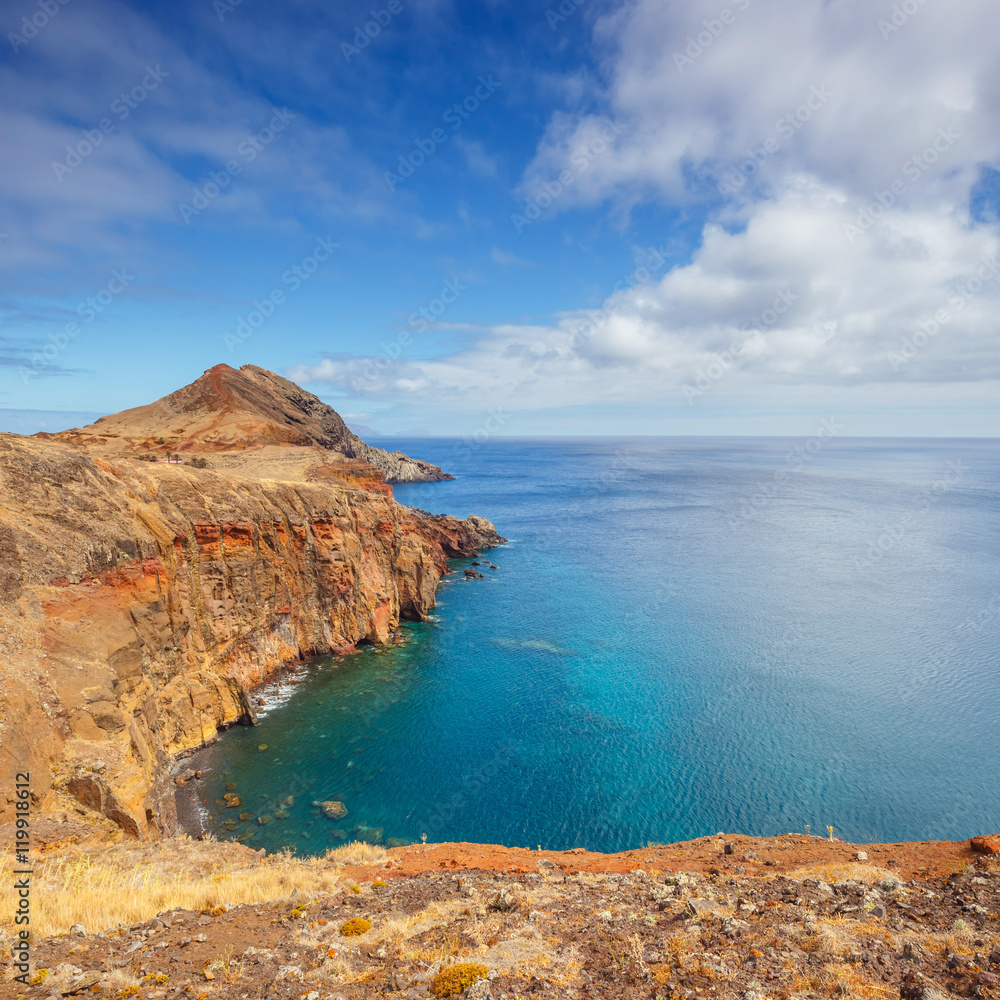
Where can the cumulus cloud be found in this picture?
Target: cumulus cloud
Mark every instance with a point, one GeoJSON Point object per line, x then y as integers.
{"type": "Point", "coordinates": [833, 149]}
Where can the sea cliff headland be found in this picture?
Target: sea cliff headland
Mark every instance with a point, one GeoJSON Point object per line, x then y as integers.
{"type": "Point", "coordinates": [159, 564]}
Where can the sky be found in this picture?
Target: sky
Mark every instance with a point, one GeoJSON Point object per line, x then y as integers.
{"type": "Point", "coordinates": [515, 217]}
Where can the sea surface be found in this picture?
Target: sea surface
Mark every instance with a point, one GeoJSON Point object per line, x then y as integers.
{"type": "Point", "coordinates": [683, 636]}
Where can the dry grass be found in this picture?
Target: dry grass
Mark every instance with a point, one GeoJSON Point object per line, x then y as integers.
{"type": "Point", "coordinates": [102, 889]}
{"type": "Point", "coordinates": [841, 981]}
{"type": "Point", "coordinates": [357, 853]}
{"type": "Point", "coordinates": [836, 872]}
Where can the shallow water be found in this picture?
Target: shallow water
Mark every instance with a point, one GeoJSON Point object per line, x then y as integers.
{"type": "Point", "coordinates": [683, 636]}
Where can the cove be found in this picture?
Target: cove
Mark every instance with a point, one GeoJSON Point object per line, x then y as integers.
{"type": "Point", "coordinates": [683, 636]}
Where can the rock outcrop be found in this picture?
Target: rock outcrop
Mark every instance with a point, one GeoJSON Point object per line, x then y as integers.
{"type": "Point", "coordinates": [140, 601]}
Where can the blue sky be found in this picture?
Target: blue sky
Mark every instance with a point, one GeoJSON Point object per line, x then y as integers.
{"type": "Point", "coordinates": [605, 217]}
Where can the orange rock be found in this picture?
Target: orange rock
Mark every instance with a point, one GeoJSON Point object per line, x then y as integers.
{"type": "Point", "coordinates": [989, 844]}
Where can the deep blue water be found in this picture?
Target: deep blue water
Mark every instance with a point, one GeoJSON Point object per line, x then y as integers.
{"type": "Point", "coordinates": [683, 636]}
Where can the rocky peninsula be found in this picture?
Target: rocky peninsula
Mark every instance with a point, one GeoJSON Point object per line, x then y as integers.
{"type": "Point", "coordinates": [160, 563]}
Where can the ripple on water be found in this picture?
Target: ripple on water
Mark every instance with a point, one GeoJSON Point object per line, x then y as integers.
{"type": "Point", "coordinates": [666, 652]}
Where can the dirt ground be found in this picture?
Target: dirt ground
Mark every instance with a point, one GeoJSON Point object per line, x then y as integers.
{"type": "Point", "coordinates": [724, 916]}
{"type": "Point", "coordinates": [918, 860]}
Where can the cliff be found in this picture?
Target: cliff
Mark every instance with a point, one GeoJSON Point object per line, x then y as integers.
{"type": "Point", "coordinates": [140, 601]}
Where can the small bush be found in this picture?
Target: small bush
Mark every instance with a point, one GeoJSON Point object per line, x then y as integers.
{"type": "Point", "coordinates": [378, 885]}
{"type": "Point", "coordinates": [456, 979]}
{"type": "Point", "coordinates": [355, 926]}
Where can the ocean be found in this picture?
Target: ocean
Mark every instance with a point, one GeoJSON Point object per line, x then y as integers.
{"type": "Point", "coordinates": [683, 636]}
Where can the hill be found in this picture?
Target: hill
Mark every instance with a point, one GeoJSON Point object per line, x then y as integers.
{"type": "Point", "coordinates": [229, 412]}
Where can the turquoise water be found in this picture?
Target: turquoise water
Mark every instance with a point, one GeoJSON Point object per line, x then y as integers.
{"type": "Point", "coordinates": [682, 637]}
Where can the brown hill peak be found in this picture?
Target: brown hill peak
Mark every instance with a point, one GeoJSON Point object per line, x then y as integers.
{"type": "Point", "coordinates": [236, 410]}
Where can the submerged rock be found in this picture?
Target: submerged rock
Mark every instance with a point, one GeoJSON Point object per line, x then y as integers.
{"type": "Point", "coordinates": [333, 810]}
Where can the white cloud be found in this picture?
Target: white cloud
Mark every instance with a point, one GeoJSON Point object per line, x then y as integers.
{"type": "Point", "coordinates": [819, 116]}
{"type": "Point", "coordinates": [789, 300]}
{"type": "Point", "coordinates": [886, 97]}
{"type": "Point", "coordinates": [478, 160]}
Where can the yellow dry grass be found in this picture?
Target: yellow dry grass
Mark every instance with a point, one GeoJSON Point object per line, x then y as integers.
{"type": "Point", "coordinates": [840, 872]}
{"type": "Point", "coordinates": [357, 853]}
{"type": "Point", "coordinates": [841, 980]}
{"type": "Point", "coordinates": [128, 884]}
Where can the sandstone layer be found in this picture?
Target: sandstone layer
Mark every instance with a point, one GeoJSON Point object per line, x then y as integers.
{"type": "Point", "coordinates": [140, 601]}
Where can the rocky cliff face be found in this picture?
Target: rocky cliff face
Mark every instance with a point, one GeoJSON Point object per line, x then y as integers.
{"type": "Point", "coordinates": [140, 601]}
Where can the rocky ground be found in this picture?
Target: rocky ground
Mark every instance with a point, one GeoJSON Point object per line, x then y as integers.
{"type": "Point", "coordinates": [723, 916]}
